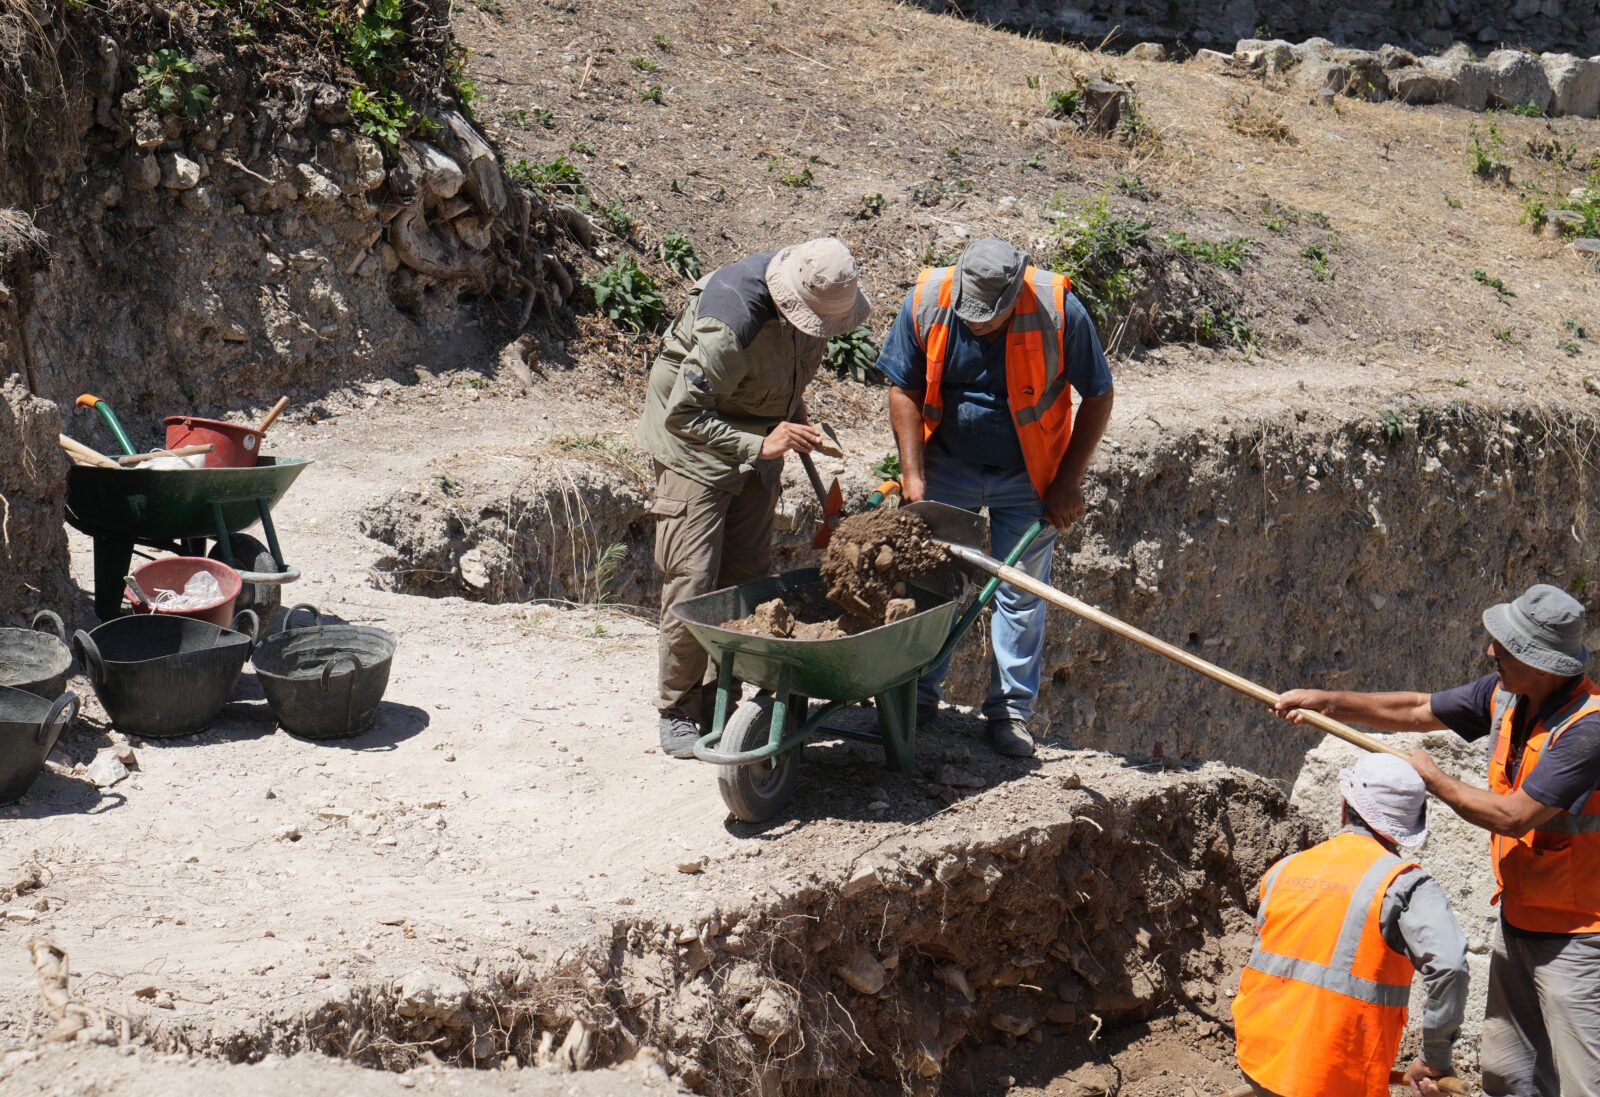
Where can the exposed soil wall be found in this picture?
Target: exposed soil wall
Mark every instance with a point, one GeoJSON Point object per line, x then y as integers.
{"type": "Point", "coordinates": [1553, 24]}
{"type": "Point", "coordinates": [210, 254]}
{"type": "Point", "coordinates": [33, 480]}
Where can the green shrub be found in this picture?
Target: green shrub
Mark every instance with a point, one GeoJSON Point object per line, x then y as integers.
{"type": "Point", "coordinates": [679, 256]}
{"type": "Point", "coordinates": [888, 467]}
{"type": "Point", "coordinates": [369, 43]}
{"type": "Point", "coordinates": [1486, 150]}
{"type": "Point", "coordinates": [853, 354]}
{"type": "Point", "coordinates": [628, 296]}
{"type": "Point", "coordinates": [1316, 256]}
{"type": "Point", "coordinates": [618, 219]}
{"type": "Point", "coordinates": [652, 94]}
{"type": "Point", "coordinates": [643, 64]}
{"type": "Point", "coordinates": [1229, 255]}
{"type": "Point", "coordinates": [1095, 249]}
{"type": "Point", "coordinates": [385, 117]}
{"type": "Point", "coordinates": [162, 78]}
{"type": "Point", "coordinates": [1064, 103]}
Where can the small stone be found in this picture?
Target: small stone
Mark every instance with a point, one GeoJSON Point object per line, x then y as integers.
{"type": "Point", "coordinates": [178, 172]}
{"type": "Point", "coordinates": [773, 1015]}
{"type": "Point", "coordinates": [885, 558]}
{"type": "Point", "coordinates": [106, 770]}
{"type": "Point", "coordinates": [142, 172]}
{"type": "Point", "coordinates": [164, 1001]}
{"type": "Point", "coordinates": [863, 973]}
{"type": "Point", "coordinates": [270, 795]}
{"type": "Point", "coordinates": [196, 199]}
{"type": "Point", "coordinates": [432, 994]}
{"type": "Point", "coordinates": [290, 833]}
{"type": "Point", "coordinates": [864, 879]}
{"type": "Point", "coordinates": [1148, 51]}
{"type": "Point", "coordinates": [124, 754]}
{"type": "Point", "coordinates": [365, 826]}
{"type": "Point", "coordinates": [692, 868]}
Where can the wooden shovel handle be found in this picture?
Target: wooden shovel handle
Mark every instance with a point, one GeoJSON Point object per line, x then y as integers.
{"type": "Point", "coordinates": [1025, 582]}
{"type": "Point", "coordinates": [271, 417]}
{"type": "Point", "coordinates": [181, 451]}
{"type": "Point", "coordinates": [83, 455]}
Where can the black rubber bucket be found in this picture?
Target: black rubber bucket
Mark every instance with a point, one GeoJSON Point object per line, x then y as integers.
{"type": "Point", "coordinates": [324, 681]}
{"type": "Point", "coordinates": [162, 676]}
{"type": "Point", "coordinates": [29, 728]}
{"type": "Point", "coordinates": [36, 659]}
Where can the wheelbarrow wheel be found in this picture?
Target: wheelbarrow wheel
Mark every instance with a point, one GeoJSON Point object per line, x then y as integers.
{"type": "Point", "coordinates": [250, 554]}
{"type": "Point", "coordinates": [757, 792]}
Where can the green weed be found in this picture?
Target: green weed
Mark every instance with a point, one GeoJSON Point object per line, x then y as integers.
{"type": "Point", "coordinates": [643, 64]}
{"type": "Point", "coordinates": [1453, 203]}
{"type": "Point", "coordinates": [1576, 329]}
{"type": "Point", "coordinates": [1486, 151]}
{"type": "Point", "coordinates": [661, 42]}
{"type": "Point", "coordinates": [872, 205]}
{"type": "Point", "coordinates": [652, 94]}
{"type": "Point", "coordinates": [801, 180]}
{"type": "Point", "coordinates": [1482, 277]}
{"type": "Point", "coordinates": [455, 71]}
{"type": "Point", "coordinates": [617, 218]}
{"type": "Point", "coordinates": [679, 256]}
{"type": "Point", "coordinates": [888, 467]}
{"type": "Point", "coordinates": [1229, 255]}
{"type": "Point", "coordinates": [1571, 349]}
{"type": "Point", "coordinates": [1064, 103]}
{"type": "Point", "coordinates": [1504, 335]}
{"type": "Point", "coordinates": [370, 42]}
{"type": "Point", "coordinates": [1316, 257]}
{"type": "Point", "coordinates": [853, 354]}
{"type": "Point", "coordinates": [384, 116]}
{"type": "Point", "coordinates": [1093, 248]}
{"type": "Point", "coordinates": [1392, 426]}
{"type": "Point", "coordinates": [628, 296]}
{"type": "Point", "coordinates": [558, 176]}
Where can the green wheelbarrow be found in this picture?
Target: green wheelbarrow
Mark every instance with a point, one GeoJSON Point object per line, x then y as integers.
{"type": "Point", "coordinates": [179, 510]}
{"type": "Point", "coordinates": [757, 742]}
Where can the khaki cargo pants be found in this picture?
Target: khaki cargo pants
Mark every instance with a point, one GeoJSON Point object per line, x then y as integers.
{"type": "Point", "coordinates": [706, 539]}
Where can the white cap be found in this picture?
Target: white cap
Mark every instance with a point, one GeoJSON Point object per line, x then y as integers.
{"type": "Point", "coordinates": [1389, 794]}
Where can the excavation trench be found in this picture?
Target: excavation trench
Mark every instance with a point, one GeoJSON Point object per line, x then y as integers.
{"type": "Point", "coordinates": [1022, 927]}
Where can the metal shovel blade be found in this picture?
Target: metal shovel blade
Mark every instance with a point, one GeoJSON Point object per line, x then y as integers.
{"type": "Point", "coordinates": [947, 523]}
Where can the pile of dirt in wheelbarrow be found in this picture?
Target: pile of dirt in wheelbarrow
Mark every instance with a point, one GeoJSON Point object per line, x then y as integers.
{"type": "Point", "coordinates": [871, 558]}
{"type": "Point", "coordinates": [865, 570]}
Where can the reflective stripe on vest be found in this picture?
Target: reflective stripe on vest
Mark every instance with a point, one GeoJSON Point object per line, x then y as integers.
{"type": "Point", "coordinates": [1337, 974]}
{"type": "Point", "coordinates": [1321, 1005]}
{"type": "Point", "coordinates": [1036, 375]}
{"type": "Point", "coordinates": [1549, 878]}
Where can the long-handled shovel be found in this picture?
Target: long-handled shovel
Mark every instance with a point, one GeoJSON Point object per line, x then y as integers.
{"type": "Point", "coordinates": [1025, 582]}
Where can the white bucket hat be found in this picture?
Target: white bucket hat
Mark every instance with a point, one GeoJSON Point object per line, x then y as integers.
{"type": "Point", "coordinates": [1389, 794]}
{"type": "Point", "coordinates": [816, 287]}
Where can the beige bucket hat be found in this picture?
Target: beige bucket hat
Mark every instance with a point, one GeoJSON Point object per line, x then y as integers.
{"type": "Point", "coordinates": [816, 287]}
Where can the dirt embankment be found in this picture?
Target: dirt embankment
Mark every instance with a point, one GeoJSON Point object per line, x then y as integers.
{"type": "Point", "coordinates": [238, 201]}
{"type": "Point", "coordinates": [33, 544]}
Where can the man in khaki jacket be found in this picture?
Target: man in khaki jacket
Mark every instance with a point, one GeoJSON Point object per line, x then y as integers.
{"type": "Point", "coordinates": [725, 404]}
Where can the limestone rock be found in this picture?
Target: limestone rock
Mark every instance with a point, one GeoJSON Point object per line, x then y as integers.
{"type": "Point", "coordinates": [142, 172]}
{"type": "Point", "coordinates": [106, 769]}
{"type": "Point", "coordinates": [1393, 57]}
{"type": "Point", "coordinates": [313, 187]}
{"type": "Point", "coordinates": [1364, 75]}
{"type": "Point", "coordinates": [1322, 75]}
{"type": "Point", "coordinates": [1517, 79]}
{"type": "Point", "coordinates": [1148, 51]}
{"type": "Point", "coordinates": [178, 172]}
{"type": "Point", "coordinates": [1314, 48]}
{"type": "Point", "coordinates": [1104, 104]}
{"type": "Point", "coordinates": [1464, 79]}
{"type": "Point", "coordinates": [1266, 55]}
{"type": "Point", "coordinates": [1212, 59]}
{"type": "Point", "coordinates": [863, 973]}
{"type": "Point", "coordinates": [1417, 85]}
{"type": "Point", "coordinates": [432, 994]}
{"type": "Point", "coordinates": [440, 174]}
{"type": "Point", "coordinates": [1014, 1017]}
{"type": "Point", "coordinates": [1574, 84]}
{"type": "Point", "coordinates": [864, 879]}
{"type": "Point", "coordinates": [772, 1014]}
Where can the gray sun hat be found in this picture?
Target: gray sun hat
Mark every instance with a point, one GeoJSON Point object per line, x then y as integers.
{"type": "Point", "coordinates": [816, 287]}
{"type": "Point", "coordinates": [1389, 794]}
{"type": "Point", "coordinates": [988, 278]}
{"type": "Point", "coordinates": [1543, 628]}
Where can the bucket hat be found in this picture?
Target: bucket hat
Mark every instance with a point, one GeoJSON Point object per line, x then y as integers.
{"type": "Point", "coordinates": [1389, 794]}
{"type": "Point", "coordinates": [1543, 628]}
{"type": "Point", "coordinates": [816, 287]}
{"type": "Point", "coordinates": [988, 277]}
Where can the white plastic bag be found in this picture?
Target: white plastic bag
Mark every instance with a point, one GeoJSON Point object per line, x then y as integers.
{"type": "Point", "coordinates": [202, 589]}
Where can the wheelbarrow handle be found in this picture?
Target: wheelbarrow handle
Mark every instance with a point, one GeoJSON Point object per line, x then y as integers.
{"type": "Point", "coordinates": [66, 703]}
{"type": "Point", "coordinates": [338, 658]}
{"type": "Point", "coordinates": [53, 620]}
{"type": "Point", "coordinates": [89, 655]}
{"type": "Point", "coordinates": [253, 621]}
{"type": "Point", "coordinates": [288, 619]}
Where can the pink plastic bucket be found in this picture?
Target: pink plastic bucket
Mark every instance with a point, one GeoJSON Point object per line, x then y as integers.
{"type": "Point", "coordinates": [173, 572]}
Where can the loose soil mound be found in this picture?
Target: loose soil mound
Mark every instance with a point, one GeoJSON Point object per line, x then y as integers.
{"type": "Point", "coordinates": [871, 558]}
{"type": "Point", "coordinates": [783, 619]}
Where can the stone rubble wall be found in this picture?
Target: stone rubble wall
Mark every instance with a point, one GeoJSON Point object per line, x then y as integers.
{"type": "Point", "coordinates": [1558, 25]}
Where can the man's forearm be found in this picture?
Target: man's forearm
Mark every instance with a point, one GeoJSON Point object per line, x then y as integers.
{"type": "Point", "coordinates": [1511, 815]}
{"type": "Point", "coordinates": [1397, 711]}
{"type": "Point", "coordinates": [1088, 427]}
{"type": "Point", "coordinates": [905, 417]}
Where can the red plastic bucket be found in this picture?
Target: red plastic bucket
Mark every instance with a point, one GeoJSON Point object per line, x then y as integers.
{"type": "Point", "coordinates": [173, 572]}
{"type": "Point", "coordinates": [238, 446]}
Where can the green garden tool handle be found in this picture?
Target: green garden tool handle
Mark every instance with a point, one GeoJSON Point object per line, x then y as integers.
{"type": "Point", "coordinates": [882, 492]}
{"type": "Point", "coordinates": [90, 401]}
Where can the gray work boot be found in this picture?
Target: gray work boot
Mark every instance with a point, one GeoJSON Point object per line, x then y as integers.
{"type": "Point", "coordinates": [1010, 737]}
{"type": "Point", "coordinates": [678, 735]}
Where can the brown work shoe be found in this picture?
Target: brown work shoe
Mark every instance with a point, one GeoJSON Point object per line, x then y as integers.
{"type": "Point", "coordinates": [1010, 738]}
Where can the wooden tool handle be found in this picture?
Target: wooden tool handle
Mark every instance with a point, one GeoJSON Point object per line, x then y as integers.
{"type": "Point", "coordinates": [816, 480]}
{"type": "Point", "coordinates": [271, 417]}
{"type": "Point", "coordinates": [83, 455]}
{"type": "Point", "coordinates": [1023, 581]}
{"type": "Point", "coordinates": [181, 451]}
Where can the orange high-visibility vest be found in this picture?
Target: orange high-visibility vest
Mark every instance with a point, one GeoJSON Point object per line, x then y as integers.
{"type": "Point", "coordinates": [1549, 879]}
{"type": "Point", "coordinates": [1322, 1003]}
{"type": "Point", "coordinates": [1036, 373]}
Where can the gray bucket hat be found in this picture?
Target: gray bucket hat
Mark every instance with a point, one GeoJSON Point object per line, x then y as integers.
{"type": "Point", "coordinates": [816, 287]}
{"type": "Point", "coordinates": [1389, 794]}
{"type": "Point", "coordinates": [1543, 628]}
{"type": "Point", "coordinates": [988, 278]}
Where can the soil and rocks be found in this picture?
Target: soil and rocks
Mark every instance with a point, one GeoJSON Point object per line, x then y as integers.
{"type": "Point", "coordinates": [872, 558]}
{"type": "Point", "coordinates": [33, 481]}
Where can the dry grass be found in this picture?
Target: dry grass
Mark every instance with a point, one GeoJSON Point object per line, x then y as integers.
{"type": "Point", "coordinates": [1255, 120]}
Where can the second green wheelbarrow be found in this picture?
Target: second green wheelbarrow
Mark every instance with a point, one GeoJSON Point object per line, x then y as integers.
{"type": "Point", "coordinates": [756, 742]}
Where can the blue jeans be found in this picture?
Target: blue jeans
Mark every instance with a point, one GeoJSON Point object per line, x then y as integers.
{"type": "Point", "coordinates": [1017, 629]}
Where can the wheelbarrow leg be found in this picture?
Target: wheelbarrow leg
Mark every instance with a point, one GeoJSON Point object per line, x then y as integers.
{"type": "Point", "coordinates": [111, 560]}
{"type": "Point", "coordinates": [897, 720]}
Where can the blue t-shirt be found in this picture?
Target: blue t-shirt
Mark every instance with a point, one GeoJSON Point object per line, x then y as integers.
{"type": "Point", "coordinates": [1568, 773]}
{"type": "Point", "coordinates": [977, 425]}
